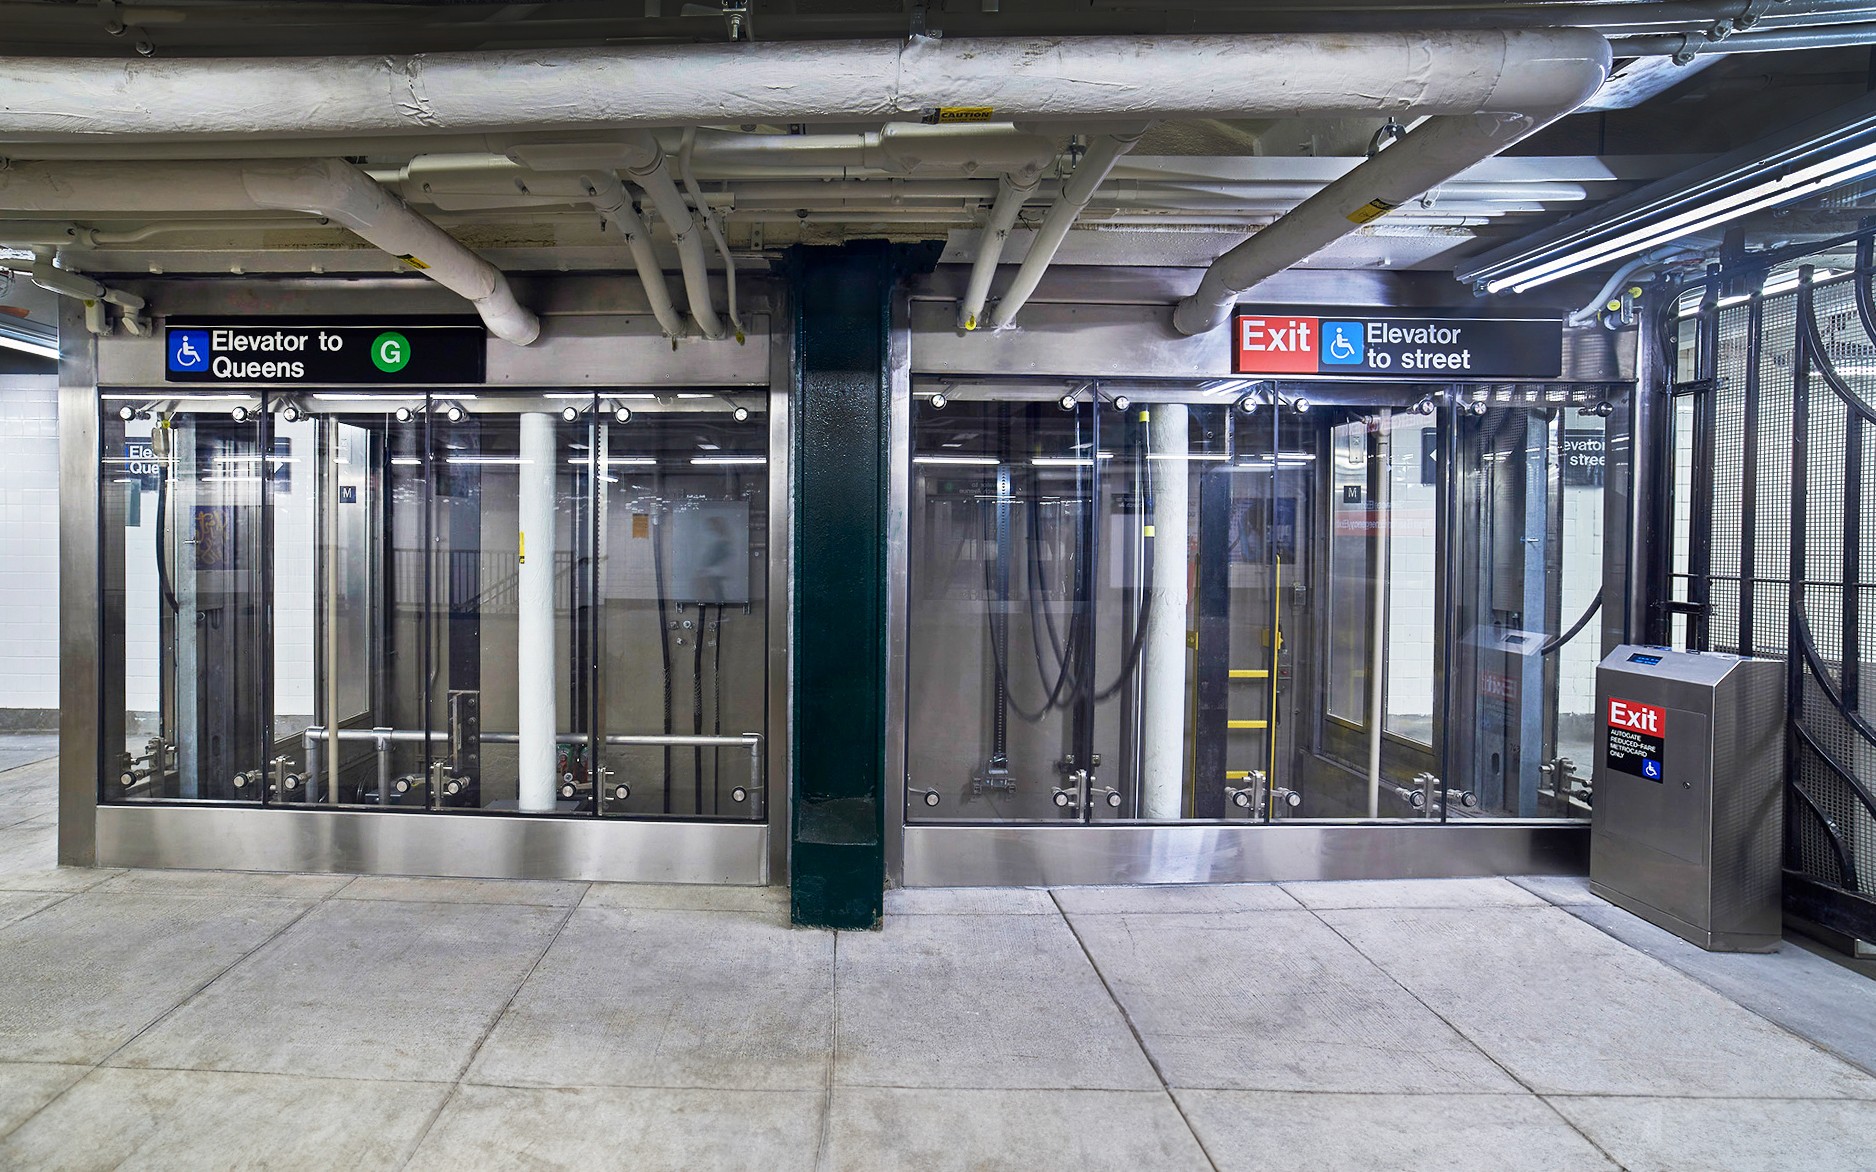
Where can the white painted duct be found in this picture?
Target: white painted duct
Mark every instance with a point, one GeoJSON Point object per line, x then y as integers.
{"type": "Point", "coordinates": [610, 200]}
{"type": "Point", "coordinates": [1554, 74]}
{"type": "Point", "coordinates": [331, 188]}
{"type": "Point", "coordinates": [1056, 79]}
{"type": "Point", "coordinates": [536, 696]}
{"type": "Point", "coordinates": [1079, 188]}
{"type": "Point", "coordinates": [1163, 721]}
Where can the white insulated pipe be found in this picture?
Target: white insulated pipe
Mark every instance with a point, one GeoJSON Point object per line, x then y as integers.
{"type": "Point", "coordinates": [1163, 719]}
{"type": "Point", "coordinates": [609, 200]}
{"type": "Point", "coordinates": [1553, 73]}
{"type": "Point", "coordinates": [1077, 190]}
{"type": "Point", "coordinates": [654, 176]}
{"type": "Point", "coordinates": [1011, 195]}
{"type": "Point", "coordinates": [332, 188]}
{"type": "Point", "coordinates": [536, 700]}
{"type": "Point", "coordinates": [1055, 79]}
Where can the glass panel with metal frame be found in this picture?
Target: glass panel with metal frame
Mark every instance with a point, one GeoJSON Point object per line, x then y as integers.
{"type": "Point", "coordinates": [1530, 494]}
{"type": "Point", "coordinates": [182, 571]}
{"type": "Point", "coordinates": [431, 602]}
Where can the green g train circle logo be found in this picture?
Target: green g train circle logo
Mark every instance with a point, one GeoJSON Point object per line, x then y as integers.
{"type": "Point", "coordinates": [390, 352]}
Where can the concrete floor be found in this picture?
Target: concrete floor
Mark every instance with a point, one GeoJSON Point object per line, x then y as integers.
{"type": "Point", "coordinates": [203, 1020]}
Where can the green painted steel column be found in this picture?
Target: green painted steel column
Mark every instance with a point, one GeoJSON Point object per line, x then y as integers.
{"type": "Point", "coordinates": [842, 299]}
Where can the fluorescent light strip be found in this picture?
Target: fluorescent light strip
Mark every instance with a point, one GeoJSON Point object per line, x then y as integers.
{"type": "Point", "coordinates": [979, 461]}
{"type": "Point", "coordinates": [511, 460]}
{"type": "Point", "coordinates": [38, 349]}
{"type": "Point", "coordinates": [1817, 177]}
{"type": "Point", "coordinates": [618, 461]}
{"type": "Point", "coordinates": [729, 459]}
{"type": "Point", "coordinates": [180, 397]}
{"type": "Point", "coordinates": [1066, 461]}
{"type": "Point", "coordinates": [367, 397]}
{"type": "Point", "coordinates": [1187, 456]}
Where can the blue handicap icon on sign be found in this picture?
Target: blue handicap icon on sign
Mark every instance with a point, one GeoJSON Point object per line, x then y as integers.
{"type": "Point", "coordinates": [1342, 343]}
{"type": "Point", "coordinates": [1651, 770]}
{"type": "Point", "coordinates": [188, 350]}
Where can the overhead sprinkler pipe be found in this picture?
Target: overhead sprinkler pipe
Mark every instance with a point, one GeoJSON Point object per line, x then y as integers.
{"type": "Point", "coordinates": [1011, 196]}
{"type": "Point", "coordinates": [1105, 151]}
{"type": "Point", "coordinates": [331, 188]}
{"type": "Point", "coordinates": [1546, 75]}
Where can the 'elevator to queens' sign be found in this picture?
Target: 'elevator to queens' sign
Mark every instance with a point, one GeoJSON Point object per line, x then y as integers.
{"type": "Point", "coordinates": [1427, 347]}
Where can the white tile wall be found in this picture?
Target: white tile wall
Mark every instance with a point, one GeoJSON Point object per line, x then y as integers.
{"type": "Point", "coordinates": [29, 535]}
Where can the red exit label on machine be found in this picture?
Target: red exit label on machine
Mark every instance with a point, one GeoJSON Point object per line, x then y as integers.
{"type": "Point", "coordinates": [1641, 718]}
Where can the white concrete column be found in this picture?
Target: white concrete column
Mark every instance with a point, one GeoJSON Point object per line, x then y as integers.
{"type": "Point", "coordinates": [1163, 712]}
{"type": "Point", "coordinates": [537, 719]}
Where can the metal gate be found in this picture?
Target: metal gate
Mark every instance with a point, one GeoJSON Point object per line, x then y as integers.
{"type": "Point", "coordinates": [1774, 551]}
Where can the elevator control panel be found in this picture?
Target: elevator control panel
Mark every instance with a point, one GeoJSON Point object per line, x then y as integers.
{"type": "Point", "coordinates": [1689, 787]}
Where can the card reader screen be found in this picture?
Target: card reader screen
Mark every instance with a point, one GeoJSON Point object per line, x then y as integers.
{"type": "Point", "coordinates": [1645, 660]}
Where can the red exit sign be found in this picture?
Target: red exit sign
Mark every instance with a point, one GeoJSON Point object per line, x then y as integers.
{"type": "Point", "coordinates": [1271, 344]}
{"type": "Point", "coordinates": [1641, 718]}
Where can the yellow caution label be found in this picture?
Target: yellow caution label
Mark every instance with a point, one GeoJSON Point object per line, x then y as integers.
{"type": "Point", "coordinates": [413, 262]}
{"type": "Point", "coordinates": [521, 547]}
{"type": "Point", "coordinates": [1149, 530]}
{"type": "Point", "coordinates": [1192, 640]}
{"type": "Point", "coordinates": [949, 115]}
{"type": "Point", "coordinates": [1374, 209]}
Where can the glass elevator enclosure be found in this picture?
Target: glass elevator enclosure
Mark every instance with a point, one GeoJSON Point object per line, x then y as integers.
{"type": "Point", "coordinates": [1153, 605]}
{"type": "Point", "coordinates": [490, 602]}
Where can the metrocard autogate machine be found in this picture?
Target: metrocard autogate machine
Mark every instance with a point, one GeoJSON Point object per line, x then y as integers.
{"type": "Point", "coordinates": [1689, 789]}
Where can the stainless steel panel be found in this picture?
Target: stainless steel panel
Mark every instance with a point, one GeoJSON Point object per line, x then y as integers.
{"type": "Point", "coordinates": [781, 358]}
{"type": "Point", "coordinates": [454, 845]}
{"type": "Point", "coordinates": [985, 856]}
{"type": "Point", "coordinates": [1698, 850]}
{"type": "Point", "coordinates": [80, 659]}
{"type": "Point", "coordinates": [898, 502]}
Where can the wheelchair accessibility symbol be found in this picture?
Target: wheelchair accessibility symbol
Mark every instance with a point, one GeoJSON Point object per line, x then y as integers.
{"type": "Point", "coordinates": [188, 350]}
{"type": "Point", "coordinates": [1342, 343]}
{"type": "Point", "coordinates": [1651, 770]}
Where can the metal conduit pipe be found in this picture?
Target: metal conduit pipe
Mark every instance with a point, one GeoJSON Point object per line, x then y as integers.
{"type": "Point", "coordinates": [1027, 80]}
{"type": "Point", "coordinates": [79, 287]}
{"type": "Point", "coordinates": [1778, 40]}
{"type": "Point", "coordinates": [1553, 77]}
{"type": "Point", "coordinates": [332, 188]}
{"type": "Point", "coordinates": [1077, 190]}
{"type": "Point", "coordinates": [609, 200]}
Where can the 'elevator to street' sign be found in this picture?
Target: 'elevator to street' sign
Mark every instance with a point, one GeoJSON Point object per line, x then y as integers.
{"type": "Point", "coordinates": [1345, 343]}
{"type": "Point", "coordinates": [314, 352]}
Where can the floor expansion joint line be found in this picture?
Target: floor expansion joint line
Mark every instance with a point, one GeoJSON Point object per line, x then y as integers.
{"type": "Point", "coordinates": [161, 1017]}
{"type": "Point", "coordinates": [1470, 1041]}
{"type": "Point", "coordinates": [469, 1062]}
{"type": "Point", "coordinates": [1133, 1029]}
{"type": "Point", "coordinates": [822, 1152]}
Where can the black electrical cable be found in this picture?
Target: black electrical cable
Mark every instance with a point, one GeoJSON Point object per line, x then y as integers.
{"type": "Point", "coordinates": [716, 707]}
{"type": "Point", "coordinates": [696, 705]}
{"type": "Point", "coordinates": [1557, 641]}
{"type": "Point", "coordinates": [163, 579]}
{"type": "Point", "coordinates": [664, 644]}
